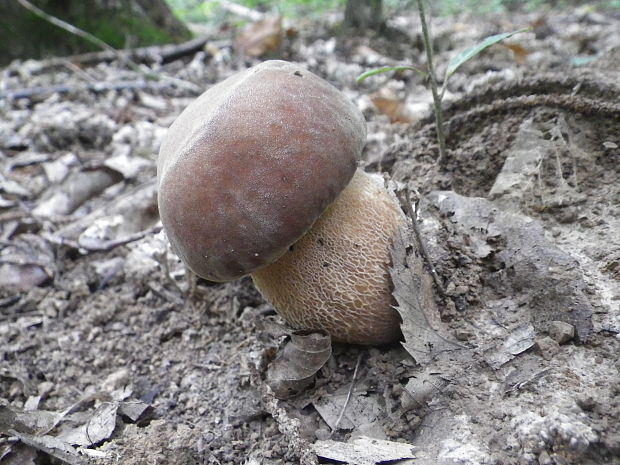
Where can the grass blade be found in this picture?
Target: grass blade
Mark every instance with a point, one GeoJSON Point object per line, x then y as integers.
{"type": "Point", "coordinates": [471, 52]}
{"type": "Point", "coordinates": [387, 69]}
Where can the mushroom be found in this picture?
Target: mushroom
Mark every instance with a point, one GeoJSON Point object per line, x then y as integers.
{"type": "Point", "coordinates": [259, 176]}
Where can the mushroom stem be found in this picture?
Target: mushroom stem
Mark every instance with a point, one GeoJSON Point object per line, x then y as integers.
{"type": "Point", "coordinates": [336, 277]}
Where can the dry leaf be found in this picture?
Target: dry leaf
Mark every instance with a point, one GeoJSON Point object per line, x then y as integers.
{"type": "Point", "coordinates": [56, 433]}
{"type": "Point", "coordinates": [302, 357]}
{"type": "Point", "coordinates": [260, 37]}
{"type": "Point", "coordinates": [363, 411]}
{"type": "Point", "coordinates": [26, 262]}
{"type": "Point", "coordinates": [518, 340]}
{"type": "Point", "coordinates": [49, 445]}
{"type": "Point", "coordinates": [364, 451]}
{"type": "Point", "coordinates": [425, 385]}
{"type": "Point", "coordinates": [424, 334]}
{"type": "Point", "coordinates": [18, 454]}
{"type": "Point", "coordinates": [137, 208]}
{"type": "Point", "coordinates": [519, 52]}
{"type": "Point", "coordinates": [388, 103]}
{"type": "Point", "coordinates": [96, 429]}
{"type": "Point", "coordinates": [135, 411]}
{"type": "Point", "coordinates": [11, 187]}
{"type": "Point", "coordinates": [57, 170]}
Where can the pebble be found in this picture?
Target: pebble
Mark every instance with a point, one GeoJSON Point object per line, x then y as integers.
{"type": "Point", "coordinates": [561, 332]}
{"type": "Point", "coordinates": [547, 347]}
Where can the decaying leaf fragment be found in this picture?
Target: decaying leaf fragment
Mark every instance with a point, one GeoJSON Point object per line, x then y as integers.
{"type": "Point", "coordinates": [413, 290]}
{"type": "Point", "coordinates": [18, 454]}
{"type": "Point", "coordinates": [518, 340]}
{"type": "Point", "coordinates": [69, 434]}
{"type": "Point", "coordinates": [26, 262]}
{"type": "Point", "coordinates": [519, 52]}
{"type": "Point", "coordinates": [302, 357]}
{"type": "Point", "coordinates": [364, 410]}
{"type": "Point", "coordinates": [425, 385]}
{"type": "Point", "coordinates": [98, 428]}
{"type": "Point", "coordinates": [49, 445]}
{"type": "Point", "coordinates": [388, 103]}
{"type": "Point", "coordinates": [260, 37]}
{"type": "Point", "coordinates": [364, 451]}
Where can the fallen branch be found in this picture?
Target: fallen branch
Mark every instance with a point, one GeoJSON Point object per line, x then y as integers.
{"type": "Point", "coordinates": [104, 246]}
{"type": "Point", "coordinates": [44, 92]}
{"type": "Point", "coordinates": [152, 54]}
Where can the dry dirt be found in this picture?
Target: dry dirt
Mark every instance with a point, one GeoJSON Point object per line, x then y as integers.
{"type": "Point", "coordinates": [520, 220]}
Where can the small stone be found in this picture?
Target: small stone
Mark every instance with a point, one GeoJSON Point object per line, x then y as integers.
{"type": "Point", "coordinates": [45, 388]}
{"type": "Point", "coordinates": [116, 380]}
{"type": "Point", "coordinates": [463, 334]}
{"type": "Point", "coordinates": [586, 402]}
{"type": "Point", "coordinates": [461, 290]}
{"type": "Point", "coordinates": [561, 332]}
{"type": "Point", "coordinates": [544, 459]}
{"type": "Point", "coordinates": [547, 347]}
{"type": "Point", "coordinates": [450, 288]}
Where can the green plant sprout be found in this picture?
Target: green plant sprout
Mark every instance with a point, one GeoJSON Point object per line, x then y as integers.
{"type": "Point", "coordinates": [430, 74]}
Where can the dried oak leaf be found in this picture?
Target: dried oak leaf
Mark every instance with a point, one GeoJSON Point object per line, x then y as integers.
{"type": "Point", "coordinates": [300, 359]}
{"type": "Point", "coordinates": [425, 337]}
{"type": "Point", "coordinates": [260, 37]}
{"type": "Point", "coordinates": [26, 262]}
{"type": "Point", "coordinates": [519, 52]}
{"type": "Point", "coordinates": [391, 105]}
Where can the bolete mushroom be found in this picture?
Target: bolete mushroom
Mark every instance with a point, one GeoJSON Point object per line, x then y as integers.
{"type": "Point", "coordinates": [259, 176]}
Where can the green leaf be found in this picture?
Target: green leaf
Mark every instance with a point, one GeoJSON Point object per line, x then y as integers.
{"type": "Point", "coordinates": [471, 52]}
{"type": "Point", "coordinates": [386, 69]}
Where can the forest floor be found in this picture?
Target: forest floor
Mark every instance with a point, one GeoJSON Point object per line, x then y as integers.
{"type": "Point", "coordinates": [106, 357]}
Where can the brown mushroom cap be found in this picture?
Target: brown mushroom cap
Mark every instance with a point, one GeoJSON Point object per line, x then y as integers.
{"type": "Point", "coordinates": [249, 166]}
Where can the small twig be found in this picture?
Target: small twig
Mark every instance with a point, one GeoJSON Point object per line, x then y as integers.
{"type": "Point", "coordinates": [428, 46]}
{"type": "Point", "coordinates": [416, 230]}
{"type": "Point", "coordinates": [79, 71]}
{"type": "Point", "coordinates": [348, 399]}
{"type": "Point", "coordinates": [166, 295]}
